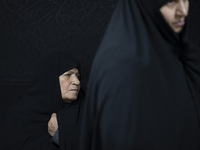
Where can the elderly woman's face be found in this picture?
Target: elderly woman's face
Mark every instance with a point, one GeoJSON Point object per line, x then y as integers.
{"type": "Point", "coordinates": [175, 12]}
{"type": "Point", "coordinates": [70, 85]}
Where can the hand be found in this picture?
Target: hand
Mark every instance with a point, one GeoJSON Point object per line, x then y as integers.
{"type": "Point", "coordinates": [52, 124]}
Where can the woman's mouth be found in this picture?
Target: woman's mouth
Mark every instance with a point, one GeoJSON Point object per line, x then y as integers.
{"type": "Point", "coordinates": [74, 90]}
{"type": "Point", "coordinates": [179, 23]}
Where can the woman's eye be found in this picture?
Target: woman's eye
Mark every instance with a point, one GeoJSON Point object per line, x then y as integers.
{"type": "Point", "coordinates": [171, 2]}
{"type": "Point", "coordinates": [78, 76]}
{"type": "Point", "coordinates": [68, 75]}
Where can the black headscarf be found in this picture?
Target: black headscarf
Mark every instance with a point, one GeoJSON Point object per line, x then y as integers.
{"type": "Point", "coordinates": [26, 123]}
{"type": "Point", "coordinates": [140, 94]}
{"type": "Point", "coordinates": [69, 124]}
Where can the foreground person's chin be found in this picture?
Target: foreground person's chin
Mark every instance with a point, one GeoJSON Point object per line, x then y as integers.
{"type": "Point", "coordinates": [69, 100]}
{"type": "Point", "coordinates": [178, 30]}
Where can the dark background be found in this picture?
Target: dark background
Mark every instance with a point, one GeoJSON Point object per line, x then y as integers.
{"type": "Point", "coordinates": [30, 28]}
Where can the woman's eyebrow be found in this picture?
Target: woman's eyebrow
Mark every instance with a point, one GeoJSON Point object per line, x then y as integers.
{"type": "Point", "coordinates": [68, 72]}
{"type": "Point", "coordinates": [71, 71]}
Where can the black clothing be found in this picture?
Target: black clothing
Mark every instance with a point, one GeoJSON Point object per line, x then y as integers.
{"type": "Point", "coordinates": [69, 133]}
{"type": "Point", "coordinates": [55, 137]}
{"type": "Point", "coordinates": [69, 128]}
{"type": "Point", "coordinates": [26, 124]}
{"type": "Point", "coordinates": [144, 85]}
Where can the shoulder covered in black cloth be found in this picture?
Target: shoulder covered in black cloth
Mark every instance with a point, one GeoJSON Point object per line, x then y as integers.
{"type": "Point", "coordinates": [26, 124]}
{"type": "Point", "coordinates": [142, 93]}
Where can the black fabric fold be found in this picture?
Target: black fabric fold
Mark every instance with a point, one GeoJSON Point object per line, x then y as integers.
{"type": "Point", "coordinates": [26, 123]}
{"type": "Point", "coordinates": [140, 94]}
{"type": "Point", "coordinates": [69, 128]}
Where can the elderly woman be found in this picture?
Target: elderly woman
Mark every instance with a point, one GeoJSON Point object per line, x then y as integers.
{"type": "Point", "coordinates": [55, 89]}
{"type": "Point", "coordinates": [144, 86]}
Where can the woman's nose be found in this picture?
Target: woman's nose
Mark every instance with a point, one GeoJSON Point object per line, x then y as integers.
{"type": "Point", "coordinates": [75, 80]}
{"type": "Point", "coordinates": [182, 9]}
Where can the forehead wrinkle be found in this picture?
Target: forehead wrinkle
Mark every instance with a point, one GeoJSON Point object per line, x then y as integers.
{"type": "Point", "coordinates": [72, 71]}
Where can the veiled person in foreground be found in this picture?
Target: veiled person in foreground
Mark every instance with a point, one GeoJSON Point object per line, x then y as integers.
{"type": "Point", "coordinates": [144, 86]}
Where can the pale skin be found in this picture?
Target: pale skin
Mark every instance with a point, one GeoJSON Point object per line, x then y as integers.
{"type": "Point", "coordinates": [69, 86]}
{"type": "Point", "coordinates": [175, 13]}
{"type": "Point", "coordinates": [52, 124]}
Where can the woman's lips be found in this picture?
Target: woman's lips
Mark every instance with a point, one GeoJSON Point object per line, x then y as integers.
{"type": "Point", "coordinates": [179, 24]}
{"type": "Point", "coordinates": [74, 90]}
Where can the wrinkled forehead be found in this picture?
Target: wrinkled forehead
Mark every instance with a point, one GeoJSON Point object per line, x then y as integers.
{"type": "Point", "coordinates": [73, 70]}
{"type": "Point", "coordinates": [153, 4]}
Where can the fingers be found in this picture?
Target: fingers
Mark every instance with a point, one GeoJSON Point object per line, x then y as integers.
{"type": "Point", "coordinates": [52, 124]}
{"type": "Point", "coordinates": [53, 115]}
